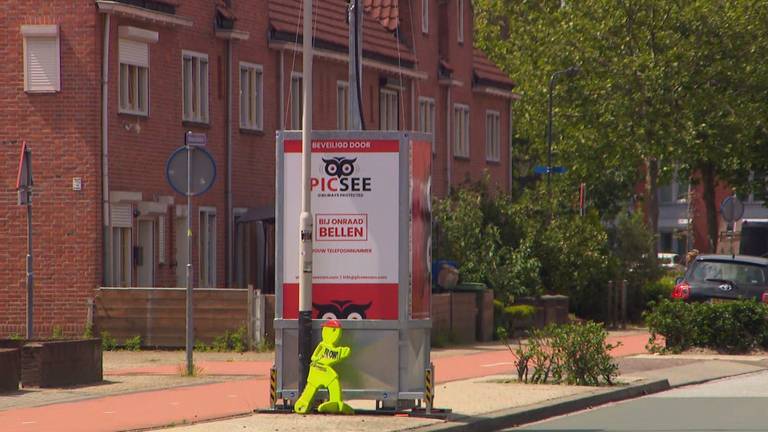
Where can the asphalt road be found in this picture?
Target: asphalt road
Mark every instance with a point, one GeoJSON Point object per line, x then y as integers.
{"type": "Point", "coordinates": [735, 404]}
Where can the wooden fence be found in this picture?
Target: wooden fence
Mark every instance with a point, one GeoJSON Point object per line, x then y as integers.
{"type": "Point", "coordinates": [158, 315]}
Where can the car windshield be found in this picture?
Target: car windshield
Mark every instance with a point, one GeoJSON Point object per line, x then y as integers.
{"type": "Point", "coordinates": [741, 273]}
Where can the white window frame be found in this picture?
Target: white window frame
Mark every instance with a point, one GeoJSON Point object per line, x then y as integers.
{"type": "Point", "coordinates": [389, 109]}
{"type": "Point", "coordinates": [342, 105]}
{"type": "Point", "coordinates": [461, 131]}
{"type": "Point", "coordinates": [425, 16]}
{"type": "Point", "coordinates": [207, 247]}
{"type": "Point", "coordinates": [296, 100]}
{"type": "Point", "coordinates": [492, 136]}
{"type": "Point", "coordinates": [460, 24]}
{"type": "Point", "coordinates": [196, 92]}
{"type": "Point", "coordinates": [427, 118]}
{"type": "Point", "coordinates": [254, 113]}
{"type": "Point", "coordinates": [40, 33]}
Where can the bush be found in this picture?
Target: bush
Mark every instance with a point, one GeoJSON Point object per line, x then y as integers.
{"type": "Point", "coordinates": [108, 343]}
{"type": "Point", "coordinates": [655, 291]}
{"type": "Point", "coordinates": [733, 327]}
{"type": "Point", "coordinates": [133, 344]}
{"type": "Point", "coordinates": [231, 341]}
{"type": "Point", "coordinates": [57, 333]}
{"type": "Point", "coordinates": [575, 354]}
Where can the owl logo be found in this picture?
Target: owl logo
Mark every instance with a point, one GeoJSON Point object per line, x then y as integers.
{"type": "Point", "coordinates": [341, 309]}
{"type": "Point", "coordinates": [339, 166]}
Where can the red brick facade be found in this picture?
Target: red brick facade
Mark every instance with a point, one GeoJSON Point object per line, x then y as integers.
{"type": "Point", "coordinates": [64, 128]}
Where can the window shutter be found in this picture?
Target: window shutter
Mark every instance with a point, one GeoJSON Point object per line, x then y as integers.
{"type": "Point", "coordinates": [122, 216]}
{"type": "Point", "coordinates": [134, 53]}
{"type": "Point", "coordinates": [42, 64]}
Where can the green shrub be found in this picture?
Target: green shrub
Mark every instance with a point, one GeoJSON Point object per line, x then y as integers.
{"type": "Point", "coordinates": [15, 337]}
{"type": "Point", "coordinates": [231, 341]}
{"type": "Point", "coordinates": [655, 291]}
{"type": "Point", "coordinates": [734, 327]}
{"type": "Point", "coordinates": [88, 331]}
{"type": "Point", "coordinates": [575, 354]}
{"type": "Point", "coordinates": [57, 332]}
{"type": "Point", "coordinates": [133, 344]}
{"type": "Point", "coordinates": [108, 343]}
{"type": "Point", "coordinates": [200, 346]}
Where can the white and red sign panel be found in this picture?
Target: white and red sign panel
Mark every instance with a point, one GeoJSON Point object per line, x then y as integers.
{"type": "Point", "coordinates": [355, 202]}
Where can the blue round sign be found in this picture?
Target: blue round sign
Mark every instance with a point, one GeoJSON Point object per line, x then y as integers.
{"type": "Point", "coordinates": [203, 170]}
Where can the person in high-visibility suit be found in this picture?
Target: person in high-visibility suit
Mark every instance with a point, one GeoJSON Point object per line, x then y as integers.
{"type": "Point", "coordinates": [321, 374]}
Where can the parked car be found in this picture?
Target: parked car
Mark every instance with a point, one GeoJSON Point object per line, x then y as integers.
{"type": "Point", "coordinates": [723, 278]}
{"type": "Point", "coordinates": [668, 260]}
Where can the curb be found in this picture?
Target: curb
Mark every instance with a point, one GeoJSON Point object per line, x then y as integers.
{"type": "Point", "coordinates": [533, 413]}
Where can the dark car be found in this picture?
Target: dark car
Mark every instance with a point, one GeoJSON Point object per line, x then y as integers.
{"type": "Point", "coordinates": [724, 277]}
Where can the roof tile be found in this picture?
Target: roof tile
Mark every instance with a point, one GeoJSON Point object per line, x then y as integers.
{"type": "Point", "coordinates": [385, 11]}
{"type": "Point", "coordinates": [486, 70]}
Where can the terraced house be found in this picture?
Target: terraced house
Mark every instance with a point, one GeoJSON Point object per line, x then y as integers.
{"type": "Point", "coordinates": [104, 90]}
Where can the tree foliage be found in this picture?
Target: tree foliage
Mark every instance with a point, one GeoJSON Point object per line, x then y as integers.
{"type": "Point", "coordinates": [663, 84]}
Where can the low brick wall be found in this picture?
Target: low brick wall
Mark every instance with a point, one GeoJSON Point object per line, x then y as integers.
{"type": "Point", "coordinates": [10, 369]}
{"type": "Point", "coordinates": [61, 363]}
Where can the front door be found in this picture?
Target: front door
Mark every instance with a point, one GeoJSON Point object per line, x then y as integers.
{"type": "Point", "coordinates": [145, 266]}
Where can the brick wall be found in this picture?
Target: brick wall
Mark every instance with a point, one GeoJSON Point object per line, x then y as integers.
{"type": "Point", "coordinates": [63, 131]}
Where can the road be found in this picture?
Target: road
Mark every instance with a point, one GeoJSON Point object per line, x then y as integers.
{"type": "Point", "coordinates": [735, 404]}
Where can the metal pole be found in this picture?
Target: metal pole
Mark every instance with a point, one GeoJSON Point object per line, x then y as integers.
{"type": "Point", "coordinates": [190, 318]}
{"type": "Point", "coordinates": [549, 141]}
{"type": "Point", "coordinates": [30, 274]}
{"type": "Point", "coordinates": [355, 68]}
{"type": "Point", "coordinates": [305, 220]}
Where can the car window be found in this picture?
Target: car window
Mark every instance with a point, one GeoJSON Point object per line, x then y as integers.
{"type": "Point", "coordinates": [741, 273]}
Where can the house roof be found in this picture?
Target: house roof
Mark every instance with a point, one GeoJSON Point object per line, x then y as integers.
{"type": "Point", "coordinates": [332, 29]}
{"type": "Point", "coordinates": [487, 73]}
{"type": "Point", "coordinates": [385, 11]}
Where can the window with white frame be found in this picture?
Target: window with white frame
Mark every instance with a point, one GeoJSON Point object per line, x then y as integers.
{"type": "Point", "coordinates": [389, 109]}
{"type": "Point", "coordinates": [251, 100]}
{"type": "Point", "coordinates": [427, 117]}
{"type": "Point", "coordinates": [42, 72]}
{"type": "Point", "coordinates": [425, 16]}
{"type": "Point", "coordinates": [296, 101]}
{"type": "Point", "coordinates": [120, 255]}
{"type": "Point", "coordinates": [460, 24]}
{"type": "Point", "coordinates": [195, 83]}
{"type": "Point", "coordinates": [133, 53]}
{"type": "Point", "coordinates": [674, 192]}
{"type": "Point", "coordinates": [342, 108]}
{"type": "Point", "coordinates": [207, 244]}
{"type": "Point", "coordinates": [460, 131]}
{"type": "Point", "coordinates": [492, 136]}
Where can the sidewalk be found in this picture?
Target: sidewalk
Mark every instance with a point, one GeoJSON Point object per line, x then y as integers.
{"type": "Point", "coordinates": [205, 401]}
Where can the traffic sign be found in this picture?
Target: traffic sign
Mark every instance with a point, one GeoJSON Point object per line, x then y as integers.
{"type": "Point", "coordinates": [24, 181]}
{"type": "Point", "coordinates": [540, 169]}
{"type": "Point", "coordinates": [195, 139]}
{"type": "Point", "coordinates": [203, 170]}
{"type": "Point", "coordinates": [732, 209]}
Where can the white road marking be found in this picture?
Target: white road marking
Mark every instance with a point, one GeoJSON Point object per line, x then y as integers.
{"type": "Point", "coordinates": [109, 412]}
{"type": "Point", "coordinates": [175, 403]}
{"type": "Point", "coordinates": [29, 422]}
{"type": "Point", "coordinates": [497, 364]}
{"type": "Point", "coordinates": [231, 396]}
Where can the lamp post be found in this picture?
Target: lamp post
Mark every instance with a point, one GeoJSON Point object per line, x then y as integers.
{"type": "Point", "coordinates": [569, 73]}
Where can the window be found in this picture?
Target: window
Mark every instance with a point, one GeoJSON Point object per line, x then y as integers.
{"type": "Point", "coordinates": [427, 117]}
{"type": "Point", "coordinates": [425, 16]}
{"type": "Point", "coordinates": [120, 256]}
{"type": "Point", "coordinates": [296, 101]}
{"type": "Point", "coordinates": [134, 77]}
{"type": "Point", "coordinates": [461, 131]}
{"type": "Point", "coordinates": [460, 24]}
{"type": "Point", "coordinates": [207, 245]}
{"type": "Point", "coordinates": [492, 136]}
{"type": "Point", "coordinates": [41, 58]}
{"type": "Point", "coordinates": [195, 82]}
{"type": "Point", "coordinates": [251, 100]}
{"type": "Point", "coordinates": [342, 110]}
{"type": "Point", "coordinates": [674, 192]}
{"type": "Point", "coordinates": [389, 111]}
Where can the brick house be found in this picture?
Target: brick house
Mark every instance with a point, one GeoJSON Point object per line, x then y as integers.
{"type": "Point", "coordinates": [104, 90]}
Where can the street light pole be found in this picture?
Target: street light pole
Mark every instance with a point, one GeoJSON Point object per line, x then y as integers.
{"type": "Point", "coordinates": [570, 72]}
{"type": "Point", "coordinates": [305, 220]}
